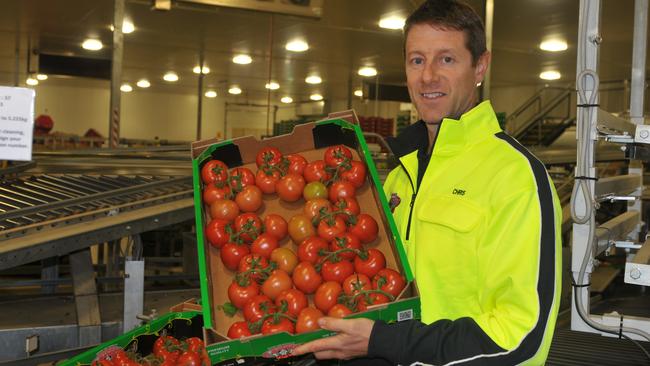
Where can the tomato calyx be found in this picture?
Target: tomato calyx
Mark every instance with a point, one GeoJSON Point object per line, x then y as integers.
{"type": "Point", "coordinates": [333, 257]}
{"type": "Point", "coordinates": [228, 308]}
{"type": "Point", "coordinates": [275, 319]}
{"type": "Point", "coordinates": [261, 273]}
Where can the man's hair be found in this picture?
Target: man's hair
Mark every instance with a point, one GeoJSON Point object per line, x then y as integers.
{"type": "Point", "coordinates": [451, 15]}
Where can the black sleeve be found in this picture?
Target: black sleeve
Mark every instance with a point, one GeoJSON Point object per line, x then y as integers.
{"type": "Point", "coordinates": [438, 343]}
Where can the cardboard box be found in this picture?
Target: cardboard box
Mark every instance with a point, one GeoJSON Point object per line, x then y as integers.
{"type": "Point", "coordinates": [310, 140]}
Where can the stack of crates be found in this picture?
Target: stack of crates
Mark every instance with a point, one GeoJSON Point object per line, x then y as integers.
{"type": "Point", "coordinates": [381, 126]}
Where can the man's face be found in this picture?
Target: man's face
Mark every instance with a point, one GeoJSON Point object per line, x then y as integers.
{"type": "Point", "coordinates": [439, 72]}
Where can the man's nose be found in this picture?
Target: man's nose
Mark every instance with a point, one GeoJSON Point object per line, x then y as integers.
{"type": "Point", "coordinates": [430, 73]}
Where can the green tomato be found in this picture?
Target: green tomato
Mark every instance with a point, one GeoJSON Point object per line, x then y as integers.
{"type": "Point", "coordinates": [314, 190]}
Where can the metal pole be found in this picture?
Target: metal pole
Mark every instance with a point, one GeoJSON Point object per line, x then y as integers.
{"type": "Point", "coordinates": [377, 95]}
{"type": "Point", "coordinates": [268, 90]}
{"type": "Point", "coordinates": [199, 112]}
{"type": "Point", "coordinates": [350, 91]}
{"type": "Point", "coordinates": [116, 75]}
{"type": "Point", "coordinates": [17, 54]}
{"type": "Point", "coordinates": [489, 20]}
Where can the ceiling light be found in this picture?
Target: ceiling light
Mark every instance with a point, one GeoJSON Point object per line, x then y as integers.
{"type": "Point", "coordinates": [242, 59]}
{"type": "Point", "coordinates": [553, 45]}
{"type": "Point", "coordinates": [313, 79]}
{"type": "Point", "coordinates": [234, 90]}
{"type": "Point", "coordinates": [272, 85]}
{"type": "Point", "coordinates": [297, 46]}
{"type": "Point", "coordinates": [286, 100]}
{"type": "Point", "coordinates": [31, 81]}
{"type": "Point", "coordinates": [358, 93]}
{"type": "Point", "coordinates": [126, 88]}
{"type": "Point", "coordinates": [550, 75]}
{"type": "Point", "coordinates": [316, 97]}
{"type": "Point", "coordinates": [392, 22]}
{"type": "Point", "coordinates": [92, 44]}
{"type": "Point", "coordinates": [127, 27]}
{"type": "Point", "coordinates": [196, 69]}
{"type": "Point", "coordinates": [367, 71]}
{"type": "Point", "coordinates": [143, 83]}
{"type": "Point", "coordinates": [211, 94]}
{"type": "Point", "coordinates": [41, 77]}
{"type": "Point", "coordinates": [171, 77]}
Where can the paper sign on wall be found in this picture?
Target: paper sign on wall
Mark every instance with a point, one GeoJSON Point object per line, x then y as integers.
{"type": "Point", "coordinates": [16, 123]}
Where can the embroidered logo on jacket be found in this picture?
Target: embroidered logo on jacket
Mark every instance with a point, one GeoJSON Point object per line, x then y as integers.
{"type": "Point", "coordinates": [394, 201]}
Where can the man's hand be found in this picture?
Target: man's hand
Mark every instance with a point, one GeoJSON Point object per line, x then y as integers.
{"type": "Point", "coordinates": [350, 342]}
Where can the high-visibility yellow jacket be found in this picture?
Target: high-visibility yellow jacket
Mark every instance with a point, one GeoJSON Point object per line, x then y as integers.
{"type": "Point", "coordinates": [482, 234]}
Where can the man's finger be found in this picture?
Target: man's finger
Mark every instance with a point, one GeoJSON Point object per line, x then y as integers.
{"type": "Point", "coordinates": [326, 355]}
{"type": "Point", "coordinates": [336, 324]}
{"type": "Point", "coordinates": [318, 345]}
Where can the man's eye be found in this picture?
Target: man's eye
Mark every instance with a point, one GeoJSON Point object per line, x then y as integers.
{"type": "Point", "coordinates": [417, 61]}
{"type": "Point", "coordinates": [447, 60]}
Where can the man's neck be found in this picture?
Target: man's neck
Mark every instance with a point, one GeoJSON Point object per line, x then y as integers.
{"type": "Point", "coordinates": [433, 132]}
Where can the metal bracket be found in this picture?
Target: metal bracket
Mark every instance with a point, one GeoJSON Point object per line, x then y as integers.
{"type": "Point", "coordinates": [612, 198]}
{"type": "Point", "coordinates": [625, 244]}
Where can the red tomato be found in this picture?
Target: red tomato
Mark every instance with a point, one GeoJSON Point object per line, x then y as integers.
{"type": "Point", "coordinates": [249, 199]}
{"type": "Point", "coordinates": [290, 187]}
{"type": "Point", "coordinates": [270, 156]}
{"type": "Point", "coordinates": [315, 171]}
{"type": "Point", "coordinates": [371, 299]}
{"type": "Point", "coordinates": [189, 358]}
{"type": "Point", "coordinates": [249, 225]}
{"type": "Point", "coordinates": [349, 206]}
{"type": "Point", "coordinates": [337, 155]}
{"type": "Point", "coordinates": [312, 249]}
{"type": "Point", "coordinates": [240, 178]}
{"type": "Point", "coordinates": [271, 326]}
{"type": "Point", "coordinates": [306, 278]}
{"type": "Point", "coordinates": [300, 228]}
{"type": "Point", "coordinates": [239, 330]}
{"type": "Point", "coordinates": [276, 226]}
{"type": "Point", "coordinates": [364, 227]}
{"type": "Point", "coordinates": [292, 300]}
{"type": "Point", "coordinates": [336, 271]}
{"type": "Point", "coordinates": [224, 209]}
{"type": "Point", "coordinates": [329, 228]}
{"type": "Point", "coordinates": [252, 264]}
{"type": "Point", "coordinates": [163, 346]}
{"type": "Point", "coordinates": [264, 245]}
{"type": "Point", "coordinates": [214, 171]}
{"type": "Point", "coordinates": [277, 282]}
{"type": "Point", "coordinates": [315, 207]}
{"type": "Point", "coordinates": [240, 294]}
{"type": "Point", "coordinates": [341, 189]}
{"type": "Point", "coordinates": [390, 281]}
{"type": "Point", "coordinates": [285, 259]}
{"type": "Point", "coordinates": [370, 262]}
{"type": "Point", "coordinates": [355, 283]}
{"type": "Point", "coordinates": [257, 307]}
{"type": "Point", "coordinates": [195, 344]}
{"type": "Point", "coordinates": [339, 311]}
{"type": "Point", "coordinates": [266, 180]}
{"type": "Point", "coordinates": [231, 254]}
{"type": "Point", "coordinates": [346, 241]}
{"type": "Point", "coordinates": [213, 192]}
{"type": "Point", "coordinates": [356, 174]}
{"type": "Point", "coordinates": [218, 232]}
{"type": "Point", "coordinates": [308, 320]}
{"type": "Point", "coordinates": [327, 295]}
{"type": "Point", "coordinates": [297, 163]}
{"type": "Point", "coordinates": [314, 190]}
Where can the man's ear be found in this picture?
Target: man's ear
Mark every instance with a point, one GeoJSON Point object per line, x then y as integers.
{"type": "Point", "coordinates": [482, 65]}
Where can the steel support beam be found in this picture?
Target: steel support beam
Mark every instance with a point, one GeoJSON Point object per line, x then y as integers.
{"type": "Point", "coordinates": [116, 75]}
{"type": "Point", "coordinates": [618, 185]}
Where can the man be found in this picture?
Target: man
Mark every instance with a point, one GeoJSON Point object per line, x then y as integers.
{"type": "Point", "coordinates": [479, 218]}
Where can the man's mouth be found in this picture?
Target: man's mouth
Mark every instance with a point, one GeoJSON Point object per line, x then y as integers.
{"type": "Point", "coordinates": [433, 95]}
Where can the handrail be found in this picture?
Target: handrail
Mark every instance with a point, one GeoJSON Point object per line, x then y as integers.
{"type": "Point", "coordinates": [543, 112]}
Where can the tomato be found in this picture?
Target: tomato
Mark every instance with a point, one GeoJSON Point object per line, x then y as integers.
{"type": "Point", "coordinates": [276, 226]}
{"type": "Point", "coordinates": [257, 307]}
{"type": "Point", "coordinates": [336, 271]}
{"type": "Point", "coordinates": [268, 156]}
{"type": "Point", "coordinates": [337, 155]}
{"type": "Point", "coordinates": [389, 280]}
{"type": "Point", "coordinates": [123, 359]}
{"type": "Point", "coordinates": [327, 295]}
{"type": "Point", "coordinates": [355, 283]}
{"type": "Point", "coordinates": [102, 363]}
{"type": "Point", "coordinates": [308, 320]}
{"type": "Point", "coordinates": [218, 232]}
{"type": "Point", "coordinates": [264, 245]}
{"type": "Point", "coordinates": [239, 294]}
{"type": "Point", "coordinates": [314, 190]}
{"type": "Point", "coordinates": [346, 241]}
{"type": "Point", "coordinates": [356, 174]}
{"type": "Point", "coordinates": [241, 178]}
{"type": "Point", "coordinates": [315, 207]}
{"type": "Point", "coordinates": [239, 330]}
{"type": "Point", "coordinates": [312, 249]}
{"type": "Point", "coordinates": [277, 282]}
{"type": "Point", "coordinates": [341, 189]}
{"type": "Point", "coordinates": [297, 163]}
{"type": "Point", "coordinates": [232, 253]}
{"type": "Point", "coordinates": [249, 199]}
{"type": "Point", "coordinates": [249, 225]}
{"type": "Point", "coordinates": [371, 299]}
{"type": "Point", "coordinates": [214, 171]}
{"type": "Point", "coordinates": [300, 228]}
{"type": "Point", "coordinates": [252, 264]}
{"type": "Point", "coordinates": [224, 209]}
{"type": "Point", "coordinates": [285, 259]}
{"type": "Point", "coordinates": [329, 228]}
{"type": "Point", "coordinates": [292, 300]}
{"type": "Point", "coordinates": [163, 345]}
{"type": "Point", "coordinates": [195, 344]}
{"type": "Point", "coordinates": [315, 171]}
{"type": "Point", "coordinates": [290, 187]}
{"type": "Point", "coordinates": [370, 262]}
{"type": "Point", "coordinates": [213, 192]}
{"type": "Point", "coordinates": [306, 278]}
{"type": "Point", "coordinates": [339, 311]}
{"type": "Point", "coordinates": [349, 206]}
{"type": "Point", "coordinates": [266, 180]}
{"type": "Point", "coordinates": [364, 227]}
{"type": "Point", "coordinates": [189, 358]}
{"type": "Point", "coordinates": [282, 324]}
